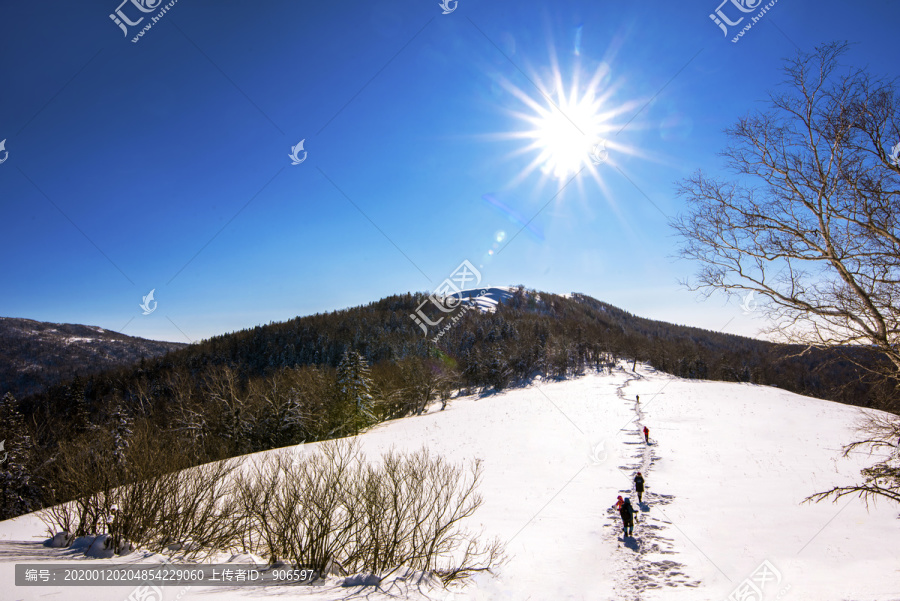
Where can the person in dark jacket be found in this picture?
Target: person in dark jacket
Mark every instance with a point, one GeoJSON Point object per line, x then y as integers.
{"type": "Point", "coordinates": [627, 513]}
{"type": "Point", "coordinates": [639, 486]}
{"type": "Point", "coordinates": [646, 434]}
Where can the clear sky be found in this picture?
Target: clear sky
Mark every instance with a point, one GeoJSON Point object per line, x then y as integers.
{"type": "Point", "coordinates": [429, 138]}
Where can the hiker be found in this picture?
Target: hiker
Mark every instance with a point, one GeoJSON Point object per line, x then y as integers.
{"type": "Point", "coordinates": [627, 513]}
{"type": "Point", "coordinates": [637, 398]}
{"type": "Point", "coordinates": [619, 503]}
{"type": "Point", "coordinates": [646, 435]}
{"type": "Point", "coordinates": [639, 487]}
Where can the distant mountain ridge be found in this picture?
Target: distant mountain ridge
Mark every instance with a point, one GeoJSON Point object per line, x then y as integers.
{"type": "Point", "coordinates": [514, 334]}
{"type": "Point", "coordinates": [36, 354]}
{"type": "Point", "coordinates": [517, 332]}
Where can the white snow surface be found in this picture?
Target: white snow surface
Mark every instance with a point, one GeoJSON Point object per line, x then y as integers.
{"type": "Point", "coordinates": [72, 339]}
{"type": "Point", "coordinates": [726, 468]}
{"type": "Point", "coordinates": [486, 299]}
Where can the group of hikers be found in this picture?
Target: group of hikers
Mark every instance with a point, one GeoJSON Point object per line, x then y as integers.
{"type": "Point", "coordinates": [624, 507]}
{"type": "Point", "coordinates": [646, 429]}
{"type": "Point", "coordinates": [626, 510]}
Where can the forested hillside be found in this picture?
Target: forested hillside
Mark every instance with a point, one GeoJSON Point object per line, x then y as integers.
{"type": "Point", "coordinates": [334, 374]}
{"type": "Point", "coordinates": [36, 354]}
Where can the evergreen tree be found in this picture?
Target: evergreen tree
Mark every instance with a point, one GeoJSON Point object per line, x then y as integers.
{"type": "Point", "coordinates": [78, 404]}
{"type": "Point", "coordinates": [18, 492]}
{"type": "Point", "coordinates": [497, 368]}
{"type": "Point", "coordinates": [122, 431]}
{"type": "Point", "coordinates": [282, 418]}
{"type": "Point", "coordinates": [355, 392]}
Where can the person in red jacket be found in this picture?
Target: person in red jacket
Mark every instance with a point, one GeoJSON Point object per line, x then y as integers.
{"type": "Point", "coordinates": [646, 435]}
{"type": "Point", "coordinates": [619, 503]}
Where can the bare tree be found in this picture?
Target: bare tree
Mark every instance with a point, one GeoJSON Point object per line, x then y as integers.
{"type": "Point", "coordinates": [878, 431]}
{"type": "Point", "coordinates": [811, 224]}
{"type": "Point", "coordinates": [811, 221]}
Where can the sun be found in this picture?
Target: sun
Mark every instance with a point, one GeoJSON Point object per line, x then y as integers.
{"type": "Point", "coordinates": [569, 127]}
{"type": "Point", "coordinates": [565, 133]}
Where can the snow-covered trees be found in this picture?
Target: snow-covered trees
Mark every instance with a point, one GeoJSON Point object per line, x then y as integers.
{"type": "Point", "coordinates": [355, 409]}
{"type": "Point", "coordinates": [121, 430]}
{"type": "Point", "coordinates": [498, 374]}
{"type": "Point", "coordinates": [18, 491]}
{"type": "Point", "coordinates": [407, 386]}
{"type": "Point", "coordinates": [283, 407]}
{"type": "Point", "coordinates": [78, 404]}
{"type": "Point", "coordinates": [230, 419]}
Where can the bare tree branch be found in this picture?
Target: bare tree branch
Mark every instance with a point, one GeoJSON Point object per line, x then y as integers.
{"type": "Point", "coordinates": [811, 222]}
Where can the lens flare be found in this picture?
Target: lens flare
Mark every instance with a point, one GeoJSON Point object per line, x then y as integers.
{"type": "Point", "coordinates": [514, 217]}
{"type": "Point", "coordinates": [571, 126]}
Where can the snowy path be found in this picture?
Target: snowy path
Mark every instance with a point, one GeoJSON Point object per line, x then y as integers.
{"type": "Point", "coordinates": [726, 473]}
{"type": "Point", "coordinates": [643, 565]}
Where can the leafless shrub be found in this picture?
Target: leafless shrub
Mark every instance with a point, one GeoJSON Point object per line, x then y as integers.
{"type": "Point", "coordinates": [331, 510]}
{"type": "Point", "coordinates": [336, 512]}
{"type": "Point", "coordinates": [198, 511]}
{"type": "Point", "coordinates": [151, 501]}
{"type": "Point", "coordinates": [293, 507]}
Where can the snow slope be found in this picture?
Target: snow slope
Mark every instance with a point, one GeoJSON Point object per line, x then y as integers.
{"type": "Point", "coordinates": [726, 470]}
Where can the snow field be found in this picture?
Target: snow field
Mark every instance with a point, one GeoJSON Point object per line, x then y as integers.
{"type": "Point", "coordinates": [726, 469]}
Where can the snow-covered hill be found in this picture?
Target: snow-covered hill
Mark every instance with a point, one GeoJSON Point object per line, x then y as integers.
{"type": "Point", "coordinates": [727, 468]}
{"type": "Point", "coordinates": [37, 354]}
{"type": "Point", "coordinates": [487, 299]}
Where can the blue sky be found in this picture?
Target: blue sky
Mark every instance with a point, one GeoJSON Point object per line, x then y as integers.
{"type": "Point", "coordinates": [163, 164]}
